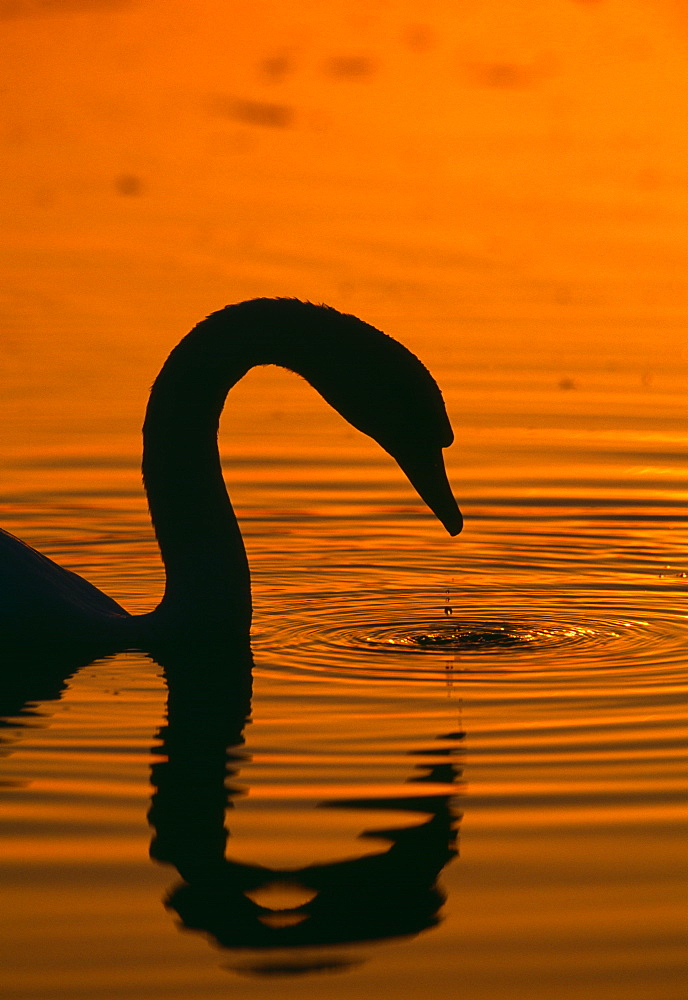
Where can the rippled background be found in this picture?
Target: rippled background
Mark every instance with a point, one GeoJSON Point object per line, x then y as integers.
{"type": "Point", "coordinates": [464, 770]}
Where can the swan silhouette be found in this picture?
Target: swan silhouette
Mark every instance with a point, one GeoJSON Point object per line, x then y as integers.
{"type": "Point", "coordinates": [374, 382]}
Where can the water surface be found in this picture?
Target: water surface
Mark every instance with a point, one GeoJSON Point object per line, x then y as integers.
{"type": "Point", "coordinates": [464, 759]}
{"type": "Point", "coordinates": [462, 772]}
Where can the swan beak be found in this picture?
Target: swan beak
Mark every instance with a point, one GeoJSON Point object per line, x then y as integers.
{"type": "Point", "coordinates": [428, 476]}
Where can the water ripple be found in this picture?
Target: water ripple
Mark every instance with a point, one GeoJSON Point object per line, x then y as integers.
{"type": "Point", "coordinates": [645, 648]}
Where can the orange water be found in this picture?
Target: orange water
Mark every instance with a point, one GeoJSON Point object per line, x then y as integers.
{"type": "Point", "coordinates": [501, 186]}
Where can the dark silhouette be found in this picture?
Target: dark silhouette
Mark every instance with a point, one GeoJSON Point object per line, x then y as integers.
{"type": "Point", "coordinates": [369, 898]}
{"type": "Point", "coordinates": [374, 382]}
{"type": "Point", "coordinates": [390, 894]}
{"type": "Point", "coordinates": [52, 622]}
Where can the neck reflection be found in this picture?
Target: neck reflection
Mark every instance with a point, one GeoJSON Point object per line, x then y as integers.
{"type": "Point", "coordinates": [370, 898]}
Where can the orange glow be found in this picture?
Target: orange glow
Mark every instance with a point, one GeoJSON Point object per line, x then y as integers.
{"type": "Point", "coordinates": [504, 187]}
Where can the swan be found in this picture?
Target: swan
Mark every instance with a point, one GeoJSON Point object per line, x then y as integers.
{"type": "Point", "coordinates": [374, 382]}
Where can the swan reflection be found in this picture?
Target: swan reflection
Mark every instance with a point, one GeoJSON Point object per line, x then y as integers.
{"type": "Point", "coordinates": [52, 622]}
{"type": "Point", "coordinates": [366, 898]}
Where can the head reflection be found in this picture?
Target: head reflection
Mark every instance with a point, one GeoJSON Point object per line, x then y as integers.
{"type": "Point", "coordinates": [386, 895]}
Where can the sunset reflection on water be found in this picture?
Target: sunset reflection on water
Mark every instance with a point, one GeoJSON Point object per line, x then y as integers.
{"type": "Point", "coordinates": [502, 188]}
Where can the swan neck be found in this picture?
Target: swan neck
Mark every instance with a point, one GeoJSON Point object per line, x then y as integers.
{"type": "Point", "coordinates": [363, 374]}
{"type": "Point", "coordinates": [207, 576]}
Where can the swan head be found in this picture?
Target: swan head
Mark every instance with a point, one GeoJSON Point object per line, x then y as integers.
{"type": "Point", "coordinates": [383, 390]}
{"type": "Point", "coordinates": [372, 380]}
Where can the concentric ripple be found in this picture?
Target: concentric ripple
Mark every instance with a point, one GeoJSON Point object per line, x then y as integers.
{"type": "Point", "coordinates": [547, 642]}
{"type": "Point", "coordinates": [482, 638]}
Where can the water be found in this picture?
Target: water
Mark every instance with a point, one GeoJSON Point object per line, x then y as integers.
{"type": "Point", "coordinates": [463, 769]}
{"type": "Point", "coordinates": [464, 762]}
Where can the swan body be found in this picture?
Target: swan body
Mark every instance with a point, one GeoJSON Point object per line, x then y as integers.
{"type": "Point", "coordinates": [370, 379]}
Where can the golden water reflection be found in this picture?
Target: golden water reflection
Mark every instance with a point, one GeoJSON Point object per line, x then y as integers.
{"type": "Point", "coordinates": [373, 896]}
{"type": "Point", "coordinates": [503, 188]}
